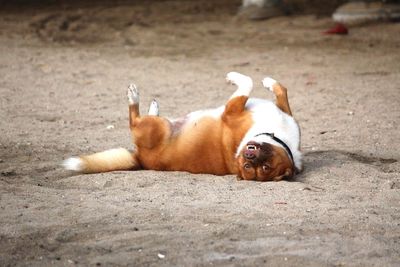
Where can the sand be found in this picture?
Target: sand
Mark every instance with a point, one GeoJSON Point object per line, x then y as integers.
{"type": "Point", "coordinates": [64, 72]}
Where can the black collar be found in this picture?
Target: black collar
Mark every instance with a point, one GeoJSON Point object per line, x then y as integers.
{"type": "Point", "coordinates": [285, 146]}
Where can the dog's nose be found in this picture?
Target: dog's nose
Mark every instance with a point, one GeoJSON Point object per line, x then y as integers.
{"type": "Point", "coordinates": [249, 154]}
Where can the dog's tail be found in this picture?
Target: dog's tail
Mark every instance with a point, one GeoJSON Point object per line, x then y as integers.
{"type": "Point", "coordinates": [116, 159]}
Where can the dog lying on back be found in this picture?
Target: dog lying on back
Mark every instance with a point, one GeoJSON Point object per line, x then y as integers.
{"type": "Point", "coordinates": [253, 138]}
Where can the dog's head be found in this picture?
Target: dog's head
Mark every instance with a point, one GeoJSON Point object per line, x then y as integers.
{"type": "Point", "coordinates": [264, 162]}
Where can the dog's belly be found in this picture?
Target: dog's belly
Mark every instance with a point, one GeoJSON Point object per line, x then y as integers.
{"type": "Point", "coordinates": [265, 116]}
{"type": "Point", "coordinates": [177, 125]}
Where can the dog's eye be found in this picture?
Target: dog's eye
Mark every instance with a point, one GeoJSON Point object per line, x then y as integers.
{"type": "Point", "coordinates": [247, 166]}
{"type": "Point", "coordinates": [265, 168]}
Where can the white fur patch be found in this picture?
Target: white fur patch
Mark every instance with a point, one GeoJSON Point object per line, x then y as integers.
{"type": "Point", "coordinates": [243, 82]}
{"type": "Point", "coordinates": [133, 94]}
{"type": "Point", "coordinates": [268, 83]}
{"type": "Point", "coordinates": [154, 108]}
{"type": "Point", "coordinates": [73, 164]}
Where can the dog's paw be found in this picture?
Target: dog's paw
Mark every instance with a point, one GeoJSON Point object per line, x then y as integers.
{"type": "Point", "coordinates": [133, 94]}
{"type": "Point", "coordinates": [268, 83]}
{"type": "Point", "coordinates": [154, 108]}
{"type": "Point", "coordinates": [239, 79]}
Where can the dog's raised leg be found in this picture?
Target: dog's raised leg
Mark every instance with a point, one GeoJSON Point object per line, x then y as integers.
{"type": "Point", "coordinates": [243, 82]}
{"type": "Point", "coordinates": [154, 108]}
{"type": "Point", "coordinates": [133, 101]}
{"type": "Point", "coordinates": [280, 93]}
{"type": "Point", "coordinates": [237, 101]}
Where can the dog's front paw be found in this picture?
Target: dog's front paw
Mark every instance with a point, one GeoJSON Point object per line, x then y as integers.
{"type": "Point", "coordinates": [238, 79]}
{"type": "Point", "coordinates": [268, 83]}
{"type": "Point", "coordinates": [133, 94]}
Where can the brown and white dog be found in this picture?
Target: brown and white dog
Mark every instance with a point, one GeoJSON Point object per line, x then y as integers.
{"type": "Point", "coordinates": [255, 139]}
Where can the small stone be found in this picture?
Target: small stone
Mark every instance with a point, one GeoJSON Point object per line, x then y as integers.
{"type": "Point", "coordinates": [110, 127]}
{"type": "Point", "coordinates": [161, 256]}
{"type": "Point", "coordinates": [45, 68]}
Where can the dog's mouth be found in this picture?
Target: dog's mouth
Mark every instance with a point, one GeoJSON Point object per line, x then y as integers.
{"type": "Point", "coordinates": [251, 150]}
{"type": "Point", "coordinates": [255, 151]}
{"type": "Point", "coordinates": [252, 145]}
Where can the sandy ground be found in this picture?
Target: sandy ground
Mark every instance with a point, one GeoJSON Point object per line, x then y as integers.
{"type": "Point", "coordinates": [64, 73]}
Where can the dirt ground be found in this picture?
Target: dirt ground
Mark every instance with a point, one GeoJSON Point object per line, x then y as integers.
{"type": "Point", "coordinates": [64, 72]}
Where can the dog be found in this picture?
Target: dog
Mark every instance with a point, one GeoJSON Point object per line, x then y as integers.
{"type": "Point", "coordinates": [253, 138]}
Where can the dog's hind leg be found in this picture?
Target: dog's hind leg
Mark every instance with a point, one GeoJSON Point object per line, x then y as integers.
{"type": "Point", "coordinates": [133, 101]}
{"type": "Point", "coordinates": [280, 92]}
{"type": "Point", "coordinates": [154, 108]}
{"type": "Point", "coordinates": [237, 101]}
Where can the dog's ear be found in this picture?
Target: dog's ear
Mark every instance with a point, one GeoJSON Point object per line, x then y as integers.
{"type": "Point", "coordinates": [287, 175]}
